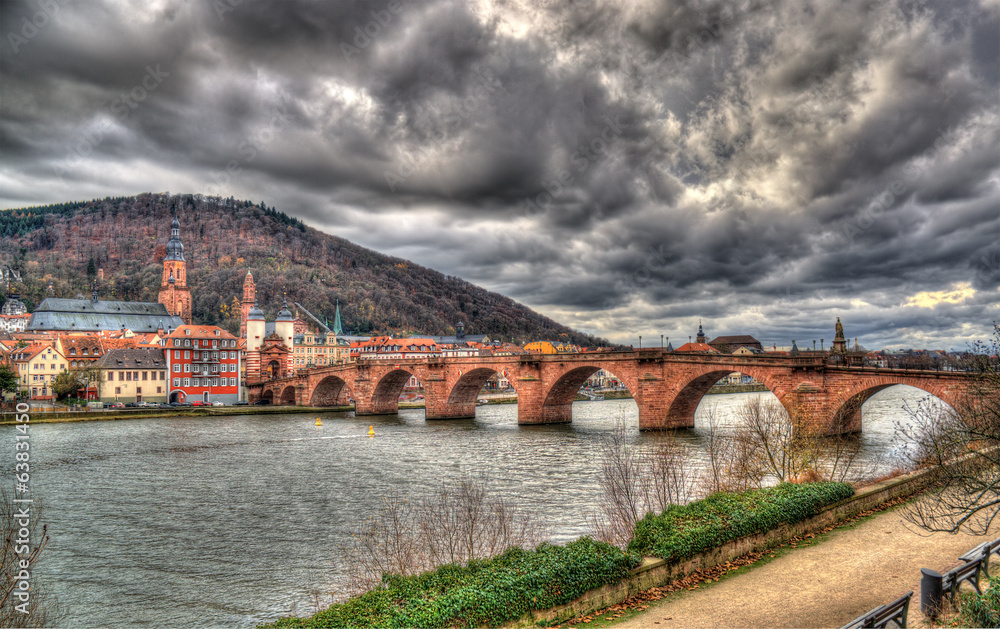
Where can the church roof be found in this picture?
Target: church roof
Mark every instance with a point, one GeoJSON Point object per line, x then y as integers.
{"type": "Point", "coordinates": [87, 315]}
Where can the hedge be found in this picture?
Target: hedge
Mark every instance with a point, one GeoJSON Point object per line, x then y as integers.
{"type": "Point", "coordinates": [485, 593]}
{"type": "Point", "coordinates": [683, 531]}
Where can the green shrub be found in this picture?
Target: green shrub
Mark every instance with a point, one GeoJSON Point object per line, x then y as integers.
{"type": "Point", "coordinates": [981, 610]}
{"type": "Point", "coordinates": [683, 531]}
{"type": "Point", "coordinates": [485, 593]}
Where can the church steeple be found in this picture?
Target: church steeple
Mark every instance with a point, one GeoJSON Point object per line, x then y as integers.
{"type": "Point", "coordinates": [174, 293]}
{"type": "Point", "coordinates": [701, 334]}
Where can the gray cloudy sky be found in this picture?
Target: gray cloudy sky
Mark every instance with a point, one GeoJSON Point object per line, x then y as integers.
{"type": "Point", "coordinates": [625, 167]}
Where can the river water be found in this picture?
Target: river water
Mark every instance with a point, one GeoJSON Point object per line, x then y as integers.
{"type": "Point", "coordinates": [232, 521]}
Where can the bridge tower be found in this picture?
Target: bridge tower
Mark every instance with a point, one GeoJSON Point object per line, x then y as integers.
{"type": "Point", "coordinates": [255, 338]}
{"type": "Point", "coordinates": [284, 327]}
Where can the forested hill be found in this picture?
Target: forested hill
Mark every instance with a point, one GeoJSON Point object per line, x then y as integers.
{"type": "Point", "coordinates": [223, 238]}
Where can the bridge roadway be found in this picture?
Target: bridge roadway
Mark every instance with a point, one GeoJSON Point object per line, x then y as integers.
{"type": "Point", "coordinates": [666, 386]}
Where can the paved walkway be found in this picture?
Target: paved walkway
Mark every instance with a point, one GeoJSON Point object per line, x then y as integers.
{"type": "Point", "coordinates": [825, 585]}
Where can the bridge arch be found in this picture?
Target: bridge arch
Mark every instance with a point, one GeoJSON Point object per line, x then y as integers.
{"type": "Point", "coordinates": [470, 383]}
{"type": "Point", "coordinates": [288, 395]}
{"type": "Point", "coordinates": [330, 391]}
{"type": "Point", "coordinates": [846, 408]}
{"type": "Point", "coordinates": [557, 406]}
{"type": "Point", "coordinates": [384, 399]}
{"type": "Point", "coordinates": [682, 406]}
{"type": "Point", "coordinates": [268, 394]}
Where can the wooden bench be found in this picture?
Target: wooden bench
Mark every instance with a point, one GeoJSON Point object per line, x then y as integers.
{"type": "Point", "coordinates": [880, 617]}
{"type": "Point", "coordinates": [954, 578]}
{"type": "Point", "coordinates": [983, 552]}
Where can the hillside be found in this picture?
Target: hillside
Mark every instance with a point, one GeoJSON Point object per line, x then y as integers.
{"type": "Point", "coordinates": [126, 237]}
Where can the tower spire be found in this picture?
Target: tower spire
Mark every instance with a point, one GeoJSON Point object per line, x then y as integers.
{"type": "Point", "coordinates": [338, 328]}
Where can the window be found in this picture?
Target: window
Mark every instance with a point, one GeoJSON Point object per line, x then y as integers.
{"type": "Point", "coordinates": [187, 353]}
{"type": "Point", "coordinates": [111, 376]}
{"type": "Point", "coordinates": [215, 355]}
{"type": "Point", "coordinates": [187, 382]}
{"type": "Point", "coordinates": [135, 376]}
{"type": "Point", "coordinates": [177, 342]}
{"type": "Point", "coordinates": [72, 351]}
{"type": "Point", "coordinates": [121, 376]}
{"type": "Point", "coordinates": [188, 332]}
{"type": "Point", "coordinates": [215, 382]}
{"type": "Point", "coordinates": [218, 332]}
{"type": "Point", "coordinates": [177, 367]}
{"type": "Point", "coordinates": [138, 390]}
{"type": "Point", "coordinates": [161, 375]}
{"type": "Point", "coordinates": [177, 382]}
{"type": "Point", "coordinates": [159, 389]}
{"type": "Point", "coordinates": [187, 342]}
{"type": "Point", "coordinates": [118, 390]}
{"type": "Point", "coordinates": [195, 382]}
{"type": "Point", "coordinates": [177, 354]}
{"type": "Point", "coordinates": [128, 376]}
{"type": "Point", "coordinates": [187, 368]}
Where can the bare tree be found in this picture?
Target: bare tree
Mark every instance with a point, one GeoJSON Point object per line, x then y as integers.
{"type": "Point", "coordinates": [770, 445]}
{"type": "Point", "coordinates": [634, 483]}
{"type": "Point", "coordinates": [19, 606]}
{"type": "Point", "coordinates": [459, 522]}
{"type": "Point", "coordinates": [962, 446]}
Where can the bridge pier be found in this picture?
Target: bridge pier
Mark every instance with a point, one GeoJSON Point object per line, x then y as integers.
{"type": "Point", "coordinates": [439, 405]}
{"type": "Point", "coordinates": [531, 407]}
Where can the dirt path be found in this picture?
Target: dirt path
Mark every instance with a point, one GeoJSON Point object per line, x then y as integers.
{"type": "Point", "coordinates": [825, 585]}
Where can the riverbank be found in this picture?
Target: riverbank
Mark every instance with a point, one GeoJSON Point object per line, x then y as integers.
{"type": "Point", "coordinates": [657, 573]}
{"type": "Point", "coordinates": [48, 417]}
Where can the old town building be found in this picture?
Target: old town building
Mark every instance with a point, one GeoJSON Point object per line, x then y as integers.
{"type": "Point", "coordinates": [132, 375]}
{"type": "Point", "coordinates": [203, 364]}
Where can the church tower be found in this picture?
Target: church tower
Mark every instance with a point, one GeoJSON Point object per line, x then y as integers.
{"type": "Point", "coordinates": [249, 297]}
{"type": "Point", "coordinates": [701, 338]}
{"type": "Point", "coordinates": [174, 293]}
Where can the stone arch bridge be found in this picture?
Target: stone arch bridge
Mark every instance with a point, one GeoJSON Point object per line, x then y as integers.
{"type": "Point", "coordinates": [666, 386]}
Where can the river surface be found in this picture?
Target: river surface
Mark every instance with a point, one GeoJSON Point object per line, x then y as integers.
{"type": "Point", "coordinates": [232, 521]}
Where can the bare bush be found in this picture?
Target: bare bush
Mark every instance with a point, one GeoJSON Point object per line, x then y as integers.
{"type": "Point", "coordinates": [458, 523]}
{"type": "Point", "coordinates": [634, 483]}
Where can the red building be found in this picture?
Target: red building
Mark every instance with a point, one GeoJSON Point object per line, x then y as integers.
{"type": "Point", "coordinates": [203, 364]}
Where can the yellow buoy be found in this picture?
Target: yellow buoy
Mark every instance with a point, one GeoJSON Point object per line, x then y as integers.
{"type": "Point", "coordinates": [318, 422]}
{"type": "Point", "coordinates": [371, 431]}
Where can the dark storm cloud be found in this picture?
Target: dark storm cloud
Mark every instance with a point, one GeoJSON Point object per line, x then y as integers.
{"type": "Point", "coordinates": [620, 166]}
